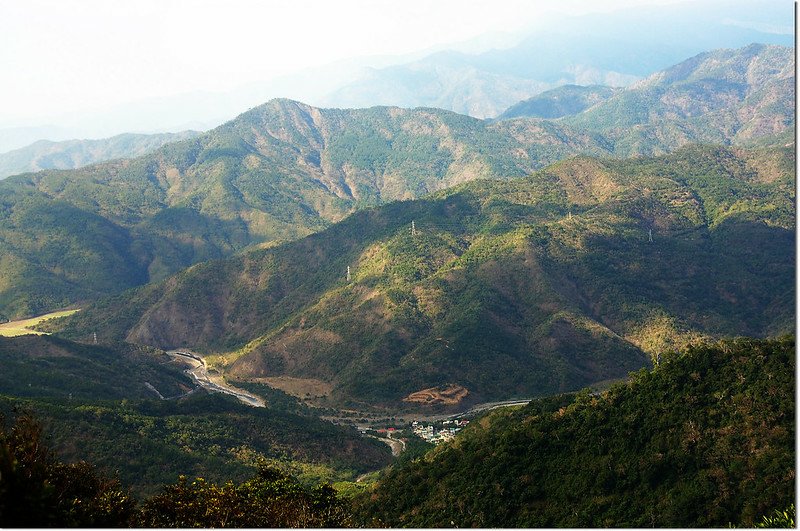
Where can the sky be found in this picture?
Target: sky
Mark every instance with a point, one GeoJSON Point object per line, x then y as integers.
{"type": "Point", "coordinates": [67, 56]}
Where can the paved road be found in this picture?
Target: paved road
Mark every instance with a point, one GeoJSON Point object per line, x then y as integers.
{"type": "Point", "coordinates": [199, 373]}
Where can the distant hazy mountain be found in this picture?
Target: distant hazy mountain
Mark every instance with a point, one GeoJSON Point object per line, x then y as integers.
{"type": "Point", "coordinates": [724, 96]}
{"type": "Point", "coordinates": [562, 101]}
{"type": "Point", "coordinates": [612, 49]}
{"type": "Point", "coordinates": [69, 154]}
{"type": "Point", "coordinates": [504, 289]}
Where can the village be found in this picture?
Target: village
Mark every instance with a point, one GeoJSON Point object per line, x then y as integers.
{"type": "Point", "coordinates": [432, 435]}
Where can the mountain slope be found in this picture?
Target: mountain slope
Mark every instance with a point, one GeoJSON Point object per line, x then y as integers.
{"type": "Point", "coordinates": [69, 154]}
{"type": "Point", "coordinates": [723, 96]}
{"type": "Point", "coordinates": [704, 440]}
{"type": "Point", "coordinates": [517, 288]}
{"type": "Point", "coordinates": [284, 170]}
{"type": "Point", "coordinates": [276, 173]}
{"type": "Point", "coordinates": [565, 100]}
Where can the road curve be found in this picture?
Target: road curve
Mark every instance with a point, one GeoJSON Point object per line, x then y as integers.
{"type": "Point", "coordinates": [199, 373]}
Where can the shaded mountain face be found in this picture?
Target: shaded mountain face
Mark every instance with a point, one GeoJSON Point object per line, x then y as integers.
{"type": "Point", "coordinates": [725, 96]}
{"type": "Point", "coordinates": [505, 289]}
{"type": "Point", "coordinates": [70, 154]}
{"type": "Point", "coordinates": [704, 440]}
{"type": "Point", "coordinates": [566, 100]}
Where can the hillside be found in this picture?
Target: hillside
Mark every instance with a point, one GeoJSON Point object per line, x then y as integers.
{"type": "Point", "coordinates": [100, 403]}
{"type": "Point", "coordinates": [565, 100]}
{"type": "Point", "coordinates": [507, 289]}
{"type": "Point", "coordinates": [69, 154]}
{"type": "Point", "coordinates": [277, 172]}
{"type": "Point", "coordinates": [722, 96]}
{"type": "Point", "coordinates": [704, 440]}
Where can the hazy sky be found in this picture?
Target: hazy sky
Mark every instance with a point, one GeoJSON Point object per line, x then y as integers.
{"type": "Point", "coordinates": [62, 56]}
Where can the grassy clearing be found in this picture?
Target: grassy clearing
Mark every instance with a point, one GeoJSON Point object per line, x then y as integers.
{"type": "Point", "coordinates": [24, 326]}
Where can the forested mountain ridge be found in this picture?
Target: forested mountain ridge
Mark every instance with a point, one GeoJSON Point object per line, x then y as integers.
{"type": "Point", "coordinates": [278, 172]}
{"type": "Point", "coordinates": [517, 288]}
{"type": "Point", "coordinates": [69, 154]}
{"type": "Point", "coordinates": [284, 170]}
{"type": "Point", "coordinates": [706, 439]}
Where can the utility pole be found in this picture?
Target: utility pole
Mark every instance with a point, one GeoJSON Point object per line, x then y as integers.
{"type": "Point", "coordinates": [348, 273]}
{"type": "Point", "coordinates": [413, 229]}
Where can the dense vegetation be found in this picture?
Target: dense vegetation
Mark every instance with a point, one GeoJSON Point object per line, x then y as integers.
{"type": "Point", "coordinates": [100, 403]}
{"type": "Point", "coordinates": [520, 288]}
{"type": "Point", "coordinates": [283, 170]}
{"type": "Point", "coordinates": [39, 490]}
{"type": "Point", "coordinates": [706, 439]}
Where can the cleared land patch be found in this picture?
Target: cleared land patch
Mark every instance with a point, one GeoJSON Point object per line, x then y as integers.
{"type": "Point", "coordinates": [25, 326]}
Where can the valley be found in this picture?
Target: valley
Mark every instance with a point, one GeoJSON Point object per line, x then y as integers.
{"type": "Point", "coordinates": [198, 370]}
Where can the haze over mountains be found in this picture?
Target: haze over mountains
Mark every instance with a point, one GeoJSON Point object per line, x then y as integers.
{"type": "Point", "coordinates": [480, 79]}
{"type": "Point", "coordinates": [69, 154]}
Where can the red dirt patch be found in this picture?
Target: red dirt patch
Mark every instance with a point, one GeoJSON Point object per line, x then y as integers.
{"type": "Point", "coordinates": [448, 394]}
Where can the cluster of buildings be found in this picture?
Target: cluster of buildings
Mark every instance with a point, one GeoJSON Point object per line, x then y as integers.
{"type": "Point", "coordinates": [435, 436]}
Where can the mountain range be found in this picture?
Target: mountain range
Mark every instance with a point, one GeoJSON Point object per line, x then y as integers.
{"type": "Point", "coordinates": [284, 170]}
{"type": "Point", "coordinates": [69, 154]}
{"type": "Point", "coordinates": [613, 49]}
{"type": "Point", "coordinates": [577, 274]}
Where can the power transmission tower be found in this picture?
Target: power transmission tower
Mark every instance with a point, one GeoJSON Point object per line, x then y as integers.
{"type": "Point", "coordinates": [413, 229]}
{"type": "Point", "coordinates": [94, 334]}
{"type": "Point", "coordinates": [348, 273]}
{"type": "Point", "coordinates": [650, 235]}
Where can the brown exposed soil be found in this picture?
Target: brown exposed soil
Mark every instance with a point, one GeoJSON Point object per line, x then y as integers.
{"type": "Point", "coordinates": [448, 395]}
{"type": "Point", "coordinates": [299, 387]}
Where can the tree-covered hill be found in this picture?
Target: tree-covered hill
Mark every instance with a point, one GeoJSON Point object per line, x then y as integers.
{"type": "Point", "coordinates": [508, 289]}
{"type": "Point", "coordinates": [277, 172]}
{"type": "Point", "coordinates": [706, 439]}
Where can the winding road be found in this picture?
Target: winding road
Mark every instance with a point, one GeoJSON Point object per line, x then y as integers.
{"type": "Point", "coordinates": [198, 370]}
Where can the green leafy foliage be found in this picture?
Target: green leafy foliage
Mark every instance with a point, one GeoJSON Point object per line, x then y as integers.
{"type": "Point", "coordinates": [704, 439]}
{"type": "Point", "coordinates": [270, 499]}
{"type": "Point", "coordinates": [38, 490]}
